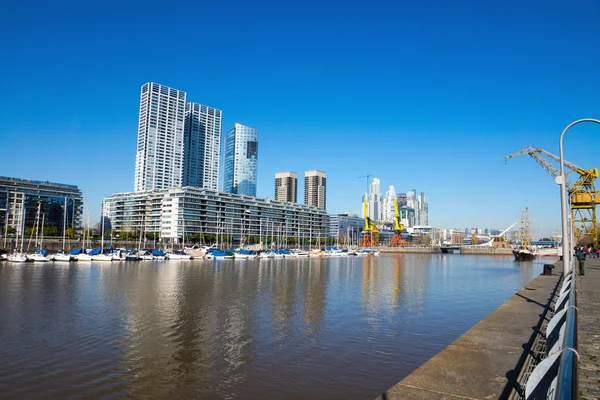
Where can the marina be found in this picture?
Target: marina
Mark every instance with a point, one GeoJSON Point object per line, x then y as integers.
{"type": "Point", "coordinates": [302, 327]}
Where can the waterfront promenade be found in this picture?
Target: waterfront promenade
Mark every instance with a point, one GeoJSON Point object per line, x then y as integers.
{"type": "Point", "coordinates": [485, 361]}
{"type": "Point", "coordinates": [588, 304]}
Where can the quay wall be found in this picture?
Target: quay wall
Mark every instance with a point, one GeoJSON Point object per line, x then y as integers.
{"type": "Point", "coordinates": [436, 250]}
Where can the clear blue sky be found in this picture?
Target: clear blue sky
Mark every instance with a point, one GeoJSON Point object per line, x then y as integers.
{"type": "Point", "coordinates": [428, 95]}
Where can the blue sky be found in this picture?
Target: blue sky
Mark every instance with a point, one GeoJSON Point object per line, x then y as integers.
{"type": "Point", "coordinates": [428, 95]}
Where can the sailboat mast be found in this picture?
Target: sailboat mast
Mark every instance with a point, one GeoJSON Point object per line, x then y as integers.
{"type": "Point", "coordinates": [102, 227]}
{"type": "Point", "coordinates": [64, 222]}
{"type": "Point", "coordinates": [42, 242]}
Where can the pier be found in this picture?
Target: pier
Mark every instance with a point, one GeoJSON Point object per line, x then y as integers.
{"type": "Point", "coordinates": [488, 361]}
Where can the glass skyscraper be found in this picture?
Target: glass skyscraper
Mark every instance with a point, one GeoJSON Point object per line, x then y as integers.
{"type": "Point", "coordinates": [241, 160]}
{"type": "Point", "coordinates": [202, 143]}
{"type": "Point", "coordinates": [160, 149]}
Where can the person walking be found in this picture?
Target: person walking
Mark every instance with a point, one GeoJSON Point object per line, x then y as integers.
{"type": "Point", "coordinates": [580, 254]}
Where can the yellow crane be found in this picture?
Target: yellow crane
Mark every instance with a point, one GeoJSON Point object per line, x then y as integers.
{"type": "Point", "coordinates": [583, 195]}
{"type": "Point", "coordinates": [370, 233]}
{"type": "Point", "coordinates": [398, 240]}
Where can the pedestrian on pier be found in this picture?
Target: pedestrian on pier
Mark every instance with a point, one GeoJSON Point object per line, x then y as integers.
{"type": "Point", "coordinates": [580, 254]}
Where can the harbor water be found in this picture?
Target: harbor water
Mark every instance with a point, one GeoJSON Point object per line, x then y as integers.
{"type": "Point", "coordinates": [312, 328]}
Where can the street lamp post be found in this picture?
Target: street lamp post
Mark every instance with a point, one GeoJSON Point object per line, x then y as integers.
{"type": "Point", "coordinates": [566, 245]}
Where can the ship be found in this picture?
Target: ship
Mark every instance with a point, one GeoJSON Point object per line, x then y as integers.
{"type": "Point", "coordinates": [450, 249]}
{"type": "Point", "coordinates": [524, 252]}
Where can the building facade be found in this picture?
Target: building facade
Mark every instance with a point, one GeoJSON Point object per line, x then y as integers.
{"type": "Point", "coordinates": [160, 144]}
{"type": "Point", "coordinates": [346, 228]}
{"type": "Point", "coordinates": [315, 189]}
{"type": "Point", "coordinates": [202, 146]}
{"type": "Point", "coordinates": [61, 205]}
{"type": "Point", "coordinates": [169, 213]}
{"type": "Point", "coordinates": [241, 160]}
{"type": "Point", "coordinates": [286, 186]}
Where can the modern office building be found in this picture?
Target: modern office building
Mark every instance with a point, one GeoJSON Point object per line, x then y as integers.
{"type": "Point", "coordinates": [241, 160]}
{"type": "Point", "coordinates": [202, 146]}
{"type": "Point", "coordinates": [20, 199]}
{"type": "Point", "coordinates": [206, 213]}
{"type": "Point", "coordinates": [315, 189]}
{"type": "Point", "coordinates": [346, 228]}
{"type": "Point", "coordinates": [286, 186]}
{"type": "Point", "coordinates": [160, 144]}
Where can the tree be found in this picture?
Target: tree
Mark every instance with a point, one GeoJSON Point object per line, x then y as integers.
{"type": "Point", "coordinates": [51, 231]}
{"type": "Point", "coordinates": [9, 230]}
{"type": "Point", "coordinates": [70, 232]}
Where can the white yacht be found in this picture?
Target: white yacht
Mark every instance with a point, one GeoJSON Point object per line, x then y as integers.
{"type": "Point", "coordinates": [38, 257]}
{"type": "Point", "coordinates": [178, 255]}
{"type": "Point", "coordinates": [17, 257]}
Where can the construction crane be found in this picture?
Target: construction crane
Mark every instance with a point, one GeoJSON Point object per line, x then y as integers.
{"type": "Point", "coordinates": [583, 195]}
{"type": "Point", "coordinates": [370, 233]}
{"type": "Point", "coordinates": [398, 240]}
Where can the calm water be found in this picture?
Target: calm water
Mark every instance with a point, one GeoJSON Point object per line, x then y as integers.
{"type": "Point", "coordinates": [294, 329]}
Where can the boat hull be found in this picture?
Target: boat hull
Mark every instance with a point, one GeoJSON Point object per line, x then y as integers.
{"type": "Point", "coordinates": [521, 255]}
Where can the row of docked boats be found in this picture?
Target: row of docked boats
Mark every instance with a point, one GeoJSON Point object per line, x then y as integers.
{"type": "Point", "coordinates": [99, 254]}
{"type": "Point", "coordinates": [81, 254]}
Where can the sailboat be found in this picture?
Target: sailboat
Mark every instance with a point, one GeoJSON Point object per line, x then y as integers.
{"type": "Point", "coordinates": [40, 255]}
{"type": "Point", "coordinates": [61, 255]}
{"type": "Point", "coordinates": [81, 254]}
{"type": "Point", "coordinates": [19, 256]}
{"type": "Point", "coordinates": [98, 254]}
{"type": "Point", "coordinates": [179, 254]}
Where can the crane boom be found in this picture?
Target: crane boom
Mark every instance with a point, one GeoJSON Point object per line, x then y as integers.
{"type": "Point", "coordinates": [583, 196]}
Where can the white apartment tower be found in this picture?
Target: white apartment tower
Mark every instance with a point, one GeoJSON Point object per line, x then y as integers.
{"type": "Point", "coordinates": [286, 187]}
{"type": "Point", "coordinates": [202, 142]}
{"type": "Point", "coordinates": [160, 146]}
{"type": "Point", "coordinates": [388, 204]}
{"type": "Point", "coordinates": [374, 201]}
{"type": "Point", "coordinates": [315, 189]}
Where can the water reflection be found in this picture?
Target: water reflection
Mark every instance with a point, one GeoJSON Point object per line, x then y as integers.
{"type": "Point", "coordinates": [306, 328]}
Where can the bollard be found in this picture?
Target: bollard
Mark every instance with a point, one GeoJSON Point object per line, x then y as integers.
{"type": "Point", "coordinates": [548, 269]}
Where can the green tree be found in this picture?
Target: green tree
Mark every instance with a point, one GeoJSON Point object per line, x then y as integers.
{"type": "Point", "coordinates": [29, 232]}
{"type": "Point", "coordinates": [9, 230]}
{"type": "Point", "coordinates": [50, 231]}
{"type": "Point", "coordinates": [209, 238]}
{"type": "Point", "coordinates": [70, 232]}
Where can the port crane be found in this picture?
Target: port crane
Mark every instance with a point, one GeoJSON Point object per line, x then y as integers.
{"type": "Point", "coordinates": [582, 194]}
{"type": "Point", "coordinates": [370, 233]}
{"type": "Point", "coordinates": [398, 240]}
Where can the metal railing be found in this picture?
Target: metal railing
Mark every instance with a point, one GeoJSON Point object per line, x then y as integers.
{"type": "Point", "coordinates": [567, 385]}
{"type": "Point", "coordinates": [555, 375]}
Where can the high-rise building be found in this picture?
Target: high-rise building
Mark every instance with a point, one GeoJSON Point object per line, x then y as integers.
{"type": "Point", "coordinates": [315, 189]}
{"type": "Point", "coordinates": [241, 160]}
{"type": "Point", "coordinates": [202, 144]}
{"type": "Point", "coordinates": [388, 204]}
{"type": "Point", "coordinates": [423, 210]}
{"type": "Point", "coordinates": [286, 186]}
{"type": "Point", "coordinates": [160, 147]}
{"type": "Point", "coordinates": [374, 201]}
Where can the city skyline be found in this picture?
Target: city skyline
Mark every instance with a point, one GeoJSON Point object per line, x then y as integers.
{"type": "Point", "coordinates": [442, 100]}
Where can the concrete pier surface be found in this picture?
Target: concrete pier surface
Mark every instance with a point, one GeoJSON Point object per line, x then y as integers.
{"type": "Point", "coordinates": [484, 362]}
{"type": "Point", "coordinates": [588, 306]}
